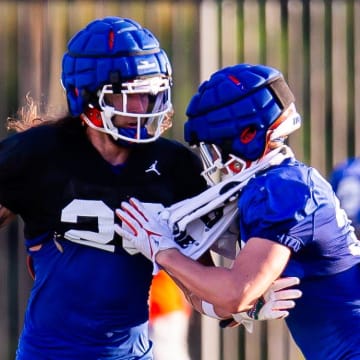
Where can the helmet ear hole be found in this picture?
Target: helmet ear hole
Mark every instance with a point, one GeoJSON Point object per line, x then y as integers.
{"type": "Point", "coordinates": [250, 144]}
{"type": "Point", "coordinates": [248, 134]}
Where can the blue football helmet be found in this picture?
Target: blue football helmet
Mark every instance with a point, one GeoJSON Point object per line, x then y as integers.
{"type": "Point", "coordinates": [117, 56]}
{"type": "Point", "coordinates": [236, 114]}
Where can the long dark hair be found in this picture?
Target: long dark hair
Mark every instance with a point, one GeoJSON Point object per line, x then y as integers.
{"type": "Point", "coordinates": [30, 115]}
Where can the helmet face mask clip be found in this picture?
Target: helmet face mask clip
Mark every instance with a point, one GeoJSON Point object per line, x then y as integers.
{"type": "Point", "coordinates": [216, 168]}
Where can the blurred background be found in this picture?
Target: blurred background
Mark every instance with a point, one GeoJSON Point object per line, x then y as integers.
{"type": "Point", "coordinates": [315, 43]}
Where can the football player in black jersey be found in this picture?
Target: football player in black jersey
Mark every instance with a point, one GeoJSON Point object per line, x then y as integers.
{"type": "Point", "coordinates": [64, 178]}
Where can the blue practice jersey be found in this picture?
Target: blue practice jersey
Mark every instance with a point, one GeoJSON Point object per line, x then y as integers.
{"type": "Point", "coordinates": [86, 303]}
{"type": "Point", "coordinates": [345, 180]}
{"type": "Point", "coordinates": [293, 205]}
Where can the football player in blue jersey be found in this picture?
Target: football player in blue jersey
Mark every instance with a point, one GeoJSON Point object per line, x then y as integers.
{"type": "Point", "coordinates": [64, 178]}
{"type": "Point", "coordinates": [290, 221]}
{"type": "Point", "coordinates": [345, 179]}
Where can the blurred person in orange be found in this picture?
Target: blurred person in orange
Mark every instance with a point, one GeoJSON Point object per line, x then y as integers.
{"type": "Point", "coordinates": [169, 319]}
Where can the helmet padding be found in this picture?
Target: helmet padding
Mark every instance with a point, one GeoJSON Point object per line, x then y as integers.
{"type": "Point", "coordinates": [236, 107]}
{"type": "Point", "coordinates": [109, 51]}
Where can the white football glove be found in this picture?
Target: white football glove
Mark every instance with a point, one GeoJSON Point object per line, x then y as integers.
{"type": "Point", "coordinates": [274, 304]}
{"type": "Point", "coordinates": [145, 231]}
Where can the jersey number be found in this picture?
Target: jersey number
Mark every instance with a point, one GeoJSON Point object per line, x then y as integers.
{"type": "Point", "coordinates": [89, 208]}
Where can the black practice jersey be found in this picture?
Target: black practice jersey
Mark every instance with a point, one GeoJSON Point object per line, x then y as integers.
{"type": "Point", "coordinates": [45, 169]}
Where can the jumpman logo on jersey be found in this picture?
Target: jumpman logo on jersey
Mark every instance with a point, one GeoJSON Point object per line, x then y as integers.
{"type": "Point", "coordinates": [153, 168]}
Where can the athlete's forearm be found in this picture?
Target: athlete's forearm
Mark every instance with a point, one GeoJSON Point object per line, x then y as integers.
{"type": "Point", "coordinates": [213, 284]}
{"type": "Point", "coordinates": [233, 289]}
{"type": "Point", "coordinates": [195, 301]}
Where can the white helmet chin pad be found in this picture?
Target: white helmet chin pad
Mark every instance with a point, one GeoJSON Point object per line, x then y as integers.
{"type": "Point", "coordinates": [149, 125]}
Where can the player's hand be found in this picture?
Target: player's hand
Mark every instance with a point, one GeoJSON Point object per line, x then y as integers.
{"type": "Point", "coordinates": [144, 230]}
{"type": "Point", "coordinates": [277, 300]}
{"type": "Point", "coordinates": [274, 304]}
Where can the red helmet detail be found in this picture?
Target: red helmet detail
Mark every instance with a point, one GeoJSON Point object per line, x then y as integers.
{"type": "Point", "coordinates": [94, 115]}
{"type": "Point", "coordinates": [111, 39]}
